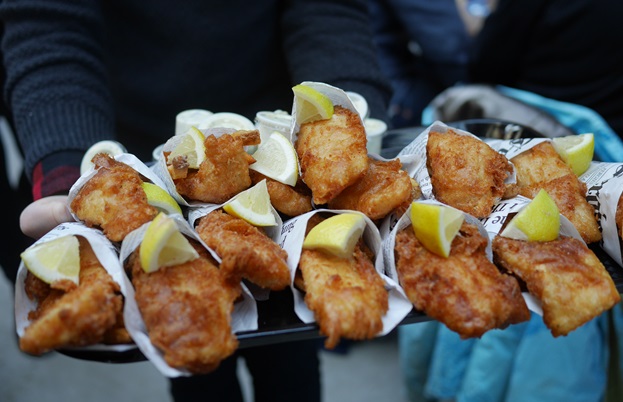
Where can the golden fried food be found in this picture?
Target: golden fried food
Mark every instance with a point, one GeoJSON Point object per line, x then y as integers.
{"type": "Point", "coordinates": [118, 333]}
{"type": "Point", "coordinates": [416, 193]}
{"type": "Point", "coordinates": [542, 168]}
{"type": "Point", "coordinates": [187, 311]}
{"type": "Point", "coordinates": [290, 201]}
{"type": "Point", "coordinates": [332, 154]}
{"type": "Point", "coordinates": [76, 315]}
{"type": "Point", "coordinates": [465, 172]}
{"type": "Point", "coordinates": [565, 275]}
{"type": "Point", "coordinates": [225, 171]}
{"type": "Point", "coordinates": [383, 188]}
{"type": "Point", "coordinates": [346, 295]}
{"type": "Point", "coordinates": [245, 250]}
{"type": "Point", "coordinates": [113, 199]}
{"type": "Point", "coordinates": [465, 291]}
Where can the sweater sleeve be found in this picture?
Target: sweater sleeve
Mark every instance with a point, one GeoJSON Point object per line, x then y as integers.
{"type": "Point", "coordinates": [331, 41]}
{"type": "Point", "coordinates": [56, 85]}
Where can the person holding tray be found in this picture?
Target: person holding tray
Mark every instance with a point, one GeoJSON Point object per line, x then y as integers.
{"type": "Point", "coordinates": [82, 72]}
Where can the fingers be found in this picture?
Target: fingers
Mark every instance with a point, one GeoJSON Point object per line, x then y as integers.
{"type": "Point", "coordinates": [43, 215]}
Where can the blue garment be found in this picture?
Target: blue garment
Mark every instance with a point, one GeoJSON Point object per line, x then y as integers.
{"type": "Point", "coordinates": [522, 363]}
{"type": "Point", "coordinates": [580, 119]}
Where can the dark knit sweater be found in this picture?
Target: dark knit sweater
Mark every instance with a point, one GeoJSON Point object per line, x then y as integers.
{"type": "Point", "coordinates": [82, 71]}
{"type": "Point", "coordinates": [568, 50]}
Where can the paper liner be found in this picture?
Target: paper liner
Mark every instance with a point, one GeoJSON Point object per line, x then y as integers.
{"type": "Point", "coordinates": [292, 236]}
{"type": "Point", "coordinates": [244, 316]}
{"type": "Point", "coordinates": [605, 186]}
{"type": "Point", "coordinates": [128, 159]}
{"type": "Point", "coordinates": [105, 252]}
{"type": "Point", "coordinates": [273, 232]}
{"type": "Point", "coordinates": [512, 148]}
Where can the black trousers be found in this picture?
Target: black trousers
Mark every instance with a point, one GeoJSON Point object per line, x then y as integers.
{"type": "Point", "coordinates": [282, 372]}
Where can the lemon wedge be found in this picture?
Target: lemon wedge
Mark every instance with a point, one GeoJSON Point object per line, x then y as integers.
{"type": "Point", "coordinates": [435, 226]}
{"type": "Point", "coordinates": [277, 159]}
{"type": "Point", "coordinates": [190, 146]}
{"type": "Point", "coordinates": [253, 205]}
{"type": "Point", "coordinates": [311, 105]}
{"type": "Point", "coordinates": [159, 198]}
{"type": "Point", "coordinates": [164, 245]}
{"type": "Point", "coordinates": [537, 221]}
{"type": "Point", "coordinates": [576, 150]}
{"type": "Point", "coordinates": [54, 260]}
{"type": "Point", "coordinates": [336, 235]}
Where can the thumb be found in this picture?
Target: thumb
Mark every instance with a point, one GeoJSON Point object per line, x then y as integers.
{"type": "Point", "coordinates": [43, 215]}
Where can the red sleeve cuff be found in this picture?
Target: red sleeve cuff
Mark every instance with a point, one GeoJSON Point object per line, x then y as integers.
{"type": "Point", "coordinates": [55, 175]}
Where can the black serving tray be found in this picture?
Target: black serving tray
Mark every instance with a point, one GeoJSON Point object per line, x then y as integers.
{"type": "Point", "coordinates": [277, 321]}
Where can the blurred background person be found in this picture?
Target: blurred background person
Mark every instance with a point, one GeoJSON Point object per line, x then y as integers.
{"type": "Point", "coordinates": [566, 50]}
{"type": "Point", "coordinates": [423, 48]}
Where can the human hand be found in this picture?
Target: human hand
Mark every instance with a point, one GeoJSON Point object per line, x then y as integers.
{"type": "Point", "coordinates": [41, 216]}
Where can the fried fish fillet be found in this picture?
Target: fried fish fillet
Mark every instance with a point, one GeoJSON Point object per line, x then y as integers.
{"type": "Point", "coordinates": [187, 311]}
{"type": "Point", "coordinates": [465, 172]}
{"type": "Point", "coordinates": [465, 291]}
{"type": "Point", "coordinates": [290, 201]}
{"type": "Point", "coordinates": [332, 153]}
{"type": "Point", "coordinates": [542, 168]}
{"type": "Point", "coordinates": [416, 193]}
{"type": "Point", "coordinates": [113, 199]}
{"type": "Point", "coordinates": [346, 295]}
{"type": "Point", "coordinates": [70, 315]}
{"type": "Point", "coordinates": [565, 275]}
{"type": "Point", "coordinates": [245, 250]}
{"type": "Point", "coordinates": [224, 172]}
{"type": "Point", "coordinates": [383, 188]}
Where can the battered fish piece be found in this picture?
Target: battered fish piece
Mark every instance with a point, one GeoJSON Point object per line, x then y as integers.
{"type": "Point", "coordinates": [465, 291]}
{"type": "Point", "coordinates": [245, 250]}
{"type": "Point", "coordinates": [542, 168]}
{"type": "Point", "coordinates": [565, 275]}
{"type": "Point", "coordinates": [113, 199]}
{"type": "Point", "coordinates": [332, 154]}
{"type": "Point", "coordinates": [69, 315]}
{"type": "Point", "coordinates": [187, 311]}
{"type": "Point", "coordinates": [383, 188]}
{"type": "Point", "coordinates": [465, 172]}
{"type": "Point", "coordinates": [347, 295]}
{"type": "Point", "coordinates": [290, 201]}
{"type": "Point", "coordinates": [225, 171]}
{"type": "Point", "coordinates": [416, 193]}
